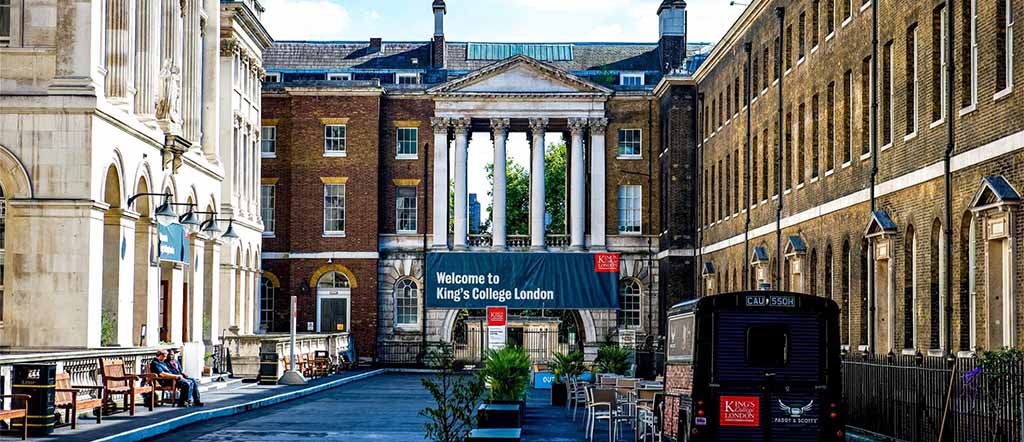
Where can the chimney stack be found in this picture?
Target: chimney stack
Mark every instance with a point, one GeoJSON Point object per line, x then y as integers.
{"type": "Point", "coordinates": [376, 44]}
{"type": "Point", "coordinates": [437, 46]}
{"type": "Point", "coordinates": [672, 34]}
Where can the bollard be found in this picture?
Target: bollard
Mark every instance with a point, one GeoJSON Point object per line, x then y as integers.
{"type": "Point", "coordinates": [38, 381]}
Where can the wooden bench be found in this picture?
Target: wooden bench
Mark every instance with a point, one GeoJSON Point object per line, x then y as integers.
{"type": "Point", "coordinates": [160, 390]}
{"type": "Point", "coordinates": [117, 382]}
{"type": "Point", "coordinates": [69, 398]}
{"type": "Point", "coordinates": [15, 413]}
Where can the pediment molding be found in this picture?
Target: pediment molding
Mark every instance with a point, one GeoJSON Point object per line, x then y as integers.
{"type": "Point", "coordinates": [558, 82]}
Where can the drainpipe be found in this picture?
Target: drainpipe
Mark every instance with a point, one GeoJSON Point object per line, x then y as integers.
{"type": "Point", "coordinates": [948, 174]}
{"type": "Point", "coordinates": [873, 131]}
{"type": "Point", "coordinates": [780, 12]}
{"type": "Point", "coordinates": [426, 204]}
{"type": "Point", "coordinates": [698, 198]}
{"type": "Point", "coordinates": [650, 218]}
{"type": "Point", "coordinates": [746, 174]}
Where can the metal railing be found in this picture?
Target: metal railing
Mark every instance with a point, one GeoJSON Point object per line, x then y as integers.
{"type": "Point", "coordinates": [904, 397]}
{"type": "Point", "coordinates": [82, 365]}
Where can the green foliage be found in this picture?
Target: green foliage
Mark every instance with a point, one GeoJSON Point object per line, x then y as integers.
{"type": "Point", "coordinates": [567, 366]}
{"type": "Point", "coordinates": [108, 326]}
{"type": "Point", "coordinates": [612, 359]}
{"type": "Point", "coordinates": [517, 192]}
{"type": "Point", "coordinates": [998, 364]}
{"type": "Point", "coordinates": [507, 372]}
{"type": "Point", "coordinates": [456, 396]}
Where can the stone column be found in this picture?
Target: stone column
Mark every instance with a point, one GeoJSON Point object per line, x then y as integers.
{"type": "Point", "coordinates": [147, 56]}
{"type": "Point", "coordinates": [211, 296]}
{"type": "Point", "coordinates": [170, 34]}
{"type": "Point", "coordinates": [190, 80]}
{"type": "Point", "coordinates": [79, 57]}
{"type": "Point", "coordinates": [537, 233]}
{"type": "Point", "coordinates": [196, 288]}
{"type": "Point", "coordinates": [440, 206]}
{"type": "Point", "coordinates": [228, 282]}
{"type": "Point", "coordinates": [597, 183]}
{"type": "Point", "coordinates": [147, 284]}
{"type": "Point", "coordinates": [577, 185]}
{"type": "Point", "coordinates": [120, 83]}
{"type": "Point", "coordinates": [498, 221]}
{"type": "Point", "coordinates": [210, 80]}
{"type": "Point", "coordinates": [461, 126]}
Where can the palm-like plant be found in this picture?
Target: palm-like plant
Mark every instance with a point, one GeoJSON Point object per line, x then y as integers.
{"type": "Point", "coordinates": [612, 359]}
{"type": "Point", "coordinates": [507, 371]}
{"type": "Point", "coordinates": [567, 365]}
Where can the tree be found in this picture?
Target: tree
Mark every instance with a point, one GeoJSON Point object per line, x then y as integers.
{"type": "Point", "coordinates": [517, 192]}
{"type": "Point", "coordinates": [456, 396]}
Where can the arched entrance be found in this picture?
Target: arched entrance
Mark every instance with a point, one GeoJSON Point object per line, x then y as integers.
{"type": "Point", "coordinates": [540, 333]}
{"type": "Point", "coordinates": [333, 302]}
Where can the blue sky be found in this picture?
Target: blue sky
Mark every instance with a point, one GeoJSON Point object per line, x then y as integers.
{"type": "Point", "coordinates": [490, 20]}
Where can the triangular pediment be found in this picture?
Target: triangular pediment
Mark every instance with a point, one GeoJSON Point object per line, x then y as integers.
{"type": "Point", "coordinates": [994, 191]}
{"type": "Point", "coordinates": [520, 75]}
{"type": "Point", "coordinates": [880, 224]}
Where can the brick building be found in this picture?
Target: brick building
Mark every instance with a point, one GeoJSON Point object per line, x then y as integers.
{"type": "Point", "coordinates": [872, 242]}
{"type": "Point", "coordinates": [357, 141]}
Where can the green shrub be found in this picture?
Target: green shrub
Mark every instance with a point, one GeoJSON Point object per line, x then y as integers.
{"type": "Point", "coordinates": [567, 366]}
{"type": "Point", "coordinates": [507, 372]}
{"type": "Point", "coordinates": [456, 396]}
{"type": "Point", "coordinates": [612, 359]}
{"type": "Point", "coordinates": [108, 332]}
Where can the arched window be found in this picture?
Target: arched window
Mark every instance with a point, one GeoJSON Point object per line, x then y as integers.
{"type": "Point", "coordinates": [267, 291]}
{"type": "Point", "coordinates": [966, 305]}
{"type": "Point", "coordinates": [407, 302]}
{"type": "Point", "coordinates": [332, 280]}
{"type": "Point", "coordinates": [910, 289]}
{"type": "Point", "coordinates": [629, 304]}
{"type": "Point", "coordinates": [3, 229]}
{"type": "Point", "coordinates": [333, 294]}
{"type": "Point", "coordinates": [845, 276]}
{"type": "Point", "coordinates": [935, 291]}
{"type": "Point", "coordinates": [828, 273]}
{"type": "Point", "coordinates": [813, 276]}
{"type": "Point", "coordinates": [863, 326]}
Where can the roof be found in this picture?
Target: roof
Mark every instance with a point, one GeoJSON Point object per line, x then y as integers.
{"type": "Point", "coordinates": [760, 254]}
{"type": "Point", "coordinates": [709, 268]}
{"type": "Point", "coordinates": [880, 223]}
{"type": "Point", "coordinates": [463, 56]}
{"type": "Point", "coordinates": [795, 245]}
{"type": "Point", "coordinates": [995, 190]}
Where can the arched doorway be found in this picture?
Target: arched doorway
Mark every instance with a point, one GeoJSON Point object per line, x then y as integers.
{"type": "Point", "coordinates": [333, 302]}
{"type": "Point", "coordinates": [113, 253]}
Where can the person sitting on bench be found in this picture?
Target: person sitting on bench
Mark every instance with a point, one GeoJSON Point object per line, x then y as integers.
{"type": "Point", "coordinates": [189, 388]}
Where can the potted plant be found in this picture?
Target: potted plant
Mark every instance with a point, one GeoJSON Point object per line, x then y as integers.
{"type": "Point", "coordinates": [612, 359]}
{"type": "Point", "coordinates": [507, 373]}
{"type": "Point", "coordinates": [455, 396]}
{"type": "Point", "coordinates": [564, 366]}
{"type": "Point", "coordinates": [207, 370]}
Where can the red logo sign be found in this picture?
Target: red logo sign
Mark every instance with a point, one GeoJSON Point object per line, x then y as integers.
{"type": "Point", "coordinates": [739, 411]}
{"type": "Point", "coordinates": [496, 316]}
{"type": "Point", "coordinates": [606, 262]}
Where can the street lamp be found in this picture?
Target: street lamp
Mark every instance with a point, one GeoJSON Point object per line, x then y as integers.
{"type": "Point", "coordinates": [210, 227]}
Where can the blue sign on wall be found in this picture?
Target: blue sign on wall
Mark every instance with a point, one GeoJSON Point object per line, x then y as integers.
{"type": "Point", "coordinates": [172, 244]}
{"type": "Point", "coordinates": [522, 280]}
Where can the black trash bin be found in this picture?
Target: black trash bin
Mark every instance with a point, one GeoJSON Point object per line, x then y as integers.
{"type": "Point", "coordinates": [38, 381]}
{"type": "Point", "coordinates": [269, 363]}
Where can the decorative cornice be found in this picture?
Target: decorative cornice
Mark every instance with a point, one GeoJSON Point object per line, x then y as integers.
{"type": "Point", "coordinates": [577, 125]}
{"type": "Point", "coordinates": [500, 125]}
{"type": "Point", "coordinates": [334, 180]}
{"type": "Point", "coordinates": [461, 125]}
{"type": "Point", "coordinates": [439, 124]}
{"type": "Point", "coordinates": [406, 182]}
{"type": "Point", "coordinates": [511, 62]}
{"type": "Point", "coordinates": [538, 126]}
{"type": "Point", "coordinates": [598, 125]}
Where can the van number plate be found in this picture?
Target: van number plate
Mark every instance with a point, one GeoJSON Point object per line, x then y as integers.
{"type": "Point", "coordinates": [770, 301]}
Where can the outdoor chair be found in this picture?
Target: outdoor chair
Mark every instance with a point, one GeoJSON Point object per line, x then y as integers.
{"type": "Point", "coordinates": [577, 395]}
{"type": "Point", "coordinates": [117, 382]}
{"type": "Point", "coordinates": [70, 398]}
{"type": "Point", "coordinates": [15, 413]}
{"type": "Point", "coordinates": [646, 422]}
{"type": "Point", "coordinates": [602, 405]}
{"type": "Point", "coordinates": [165, 394]}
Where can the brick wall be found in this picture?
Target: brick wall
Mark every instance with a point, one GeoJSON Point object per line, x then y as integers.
{"type": "Point", "coordinates": [414, 111]}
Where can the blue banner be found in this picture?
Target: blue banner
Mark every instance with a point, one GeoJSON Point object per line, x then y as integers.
{"type": "Point", "coordinates": [172, 244]}
{"type": "Point", "coordinates": [475, 280]}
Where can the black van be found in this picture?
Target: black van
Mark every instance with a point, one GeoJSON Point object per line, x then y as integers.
{"type": "Point", "coordinates": [756, 366]}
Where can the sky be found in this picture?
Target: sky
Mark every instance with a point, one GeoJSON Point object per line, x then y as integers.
{"type": "Point", "coordinates": [494, 21]}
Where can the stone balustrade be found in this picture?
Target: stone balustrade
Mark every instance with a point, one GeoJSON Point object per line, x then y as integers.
{"type": "Point", "coordinates": [245, 350]}
{"type": "Point", "coordinates": [83, 365]}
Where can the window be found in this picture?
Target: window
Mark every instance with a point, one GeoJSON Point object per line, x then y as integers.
{"type": "Point", "coordinates": [629, 304]}
{"type": "Point", "coordinates": [830, 127]}
{"type": "Point", "coordinates": [728, 187]}
{"type": "Point", "coordinates": [787, 156]}
{"type": "Point", "coordinates": [847, 10]}
{"type": "Point", "coordinates": [334, 208]}
{"type": "Point", "coordinates": [272, 77]}
{"type": "Point", "coordinates": [969, 69]}
{"type": "Point", "coordinates": [408, 139]}
{"type": "Point", "coordinates": [267, 293]}
{"type": "Point", "coordinates": [815, 132]}
{"type": "Point", "coordinates": [755, 69]}
{"type": "Point", "coordinates": [736, 181]}
{"type": "Point", "coordinates": [801, 134]}
{"type": "Point", "coordinates": [633, 79]}
{"type": "Point", "coordinates": [1004, 45]}
{"type": "Point", "coordinates": [777, 59]}
{"type": "Point", "coordinates": [728, 101]}
{"type": "Point", "coordinates": [681, 338]}
{"type": "Point", "coordinates": [268, 201]}
{"type": "Point", "coordinates": [719, 191]}
{"type": "Point", "coordinates": [815, 17]}
{"type": "Point", "coordinates": [865, 106]}
{"type": "Point", "coordinates": [629, 209]}
{"type": "Point", "coordinates": [764, 67]}
{"type": "Point", "coordinates": [268, 141]}
{"type": "Point", "coordinates": [412, 78]}
{"type": "Point", "coordinates": [736, 95]}
{"type": "Point", "coordinates": [845, 277]}
{"type": "Point", "coordinates": [802, 29]}
{"type": "Point", "coordinates": [789, 47]}
{"type": "Point", "coordinates": [888, 94]}
{"type": "Point", "coordinates": [754, 171]}
{"type": "Point", "coordinates": [5, 26]}
{"type": "Point", "coordinates": [339, 76]}
{"type": "Point", "coordinates": [911, 81]}
{"type": "Point", "coordinates": [405, 209]}
{"type": "Point", "coordinates": [629, 143]}
{"type": "Point", "coordinates": [334, 140]}
{"type": "Point", "coordinates": [910, 289]}
{"type": "Point", "coordinates": [767, 346]}
{"type": "Point", "coordinates": [769, 155]}
{"type": "Point", "coordinates": [407, 302]}
{"type": "Point", "coordinates": [830, 17]}
{"type": "Point", "coordinates": [848, 111]}
{"type": "Point", "coordinates": [721, 109]}
{"type": "Point", "coordinates": [939, 64]}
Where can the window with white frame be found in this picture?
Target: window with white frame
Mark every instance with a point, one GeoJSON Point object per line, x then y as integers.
{"type": "Point", "coordinates": [268, 141]}
{"type": "Point", "coordinates": [334, 140]}
{"type": "Point", "coordinates": [405, 209]}
{"type": "Point", "coordinates": [911, 72]}
{"type": "Point", "coordinates": [5, 23]}
{"type": "Point", "coordinates": [969, 69]}
{"type": "Point", "coordinates": [408, 138]}
{"type": "Point", "coordinates": [334, 208]}
{"type": "Point", "coordinates": [629, 209]}
{"type": "Point", "coordinates": [407, 304]}
{"type": "Point", "coordinates": [339, 76]}
{"type": "Point", "coordinates": [629, 304]}
{"type": "Point", "coordinates": [1004, 46]}
{"type": "Point", "coordinates": [272, 77]}
{"type": "Point", "coordinates": [268, 201]}
{"type": "Point", "coordinates": [631, 79]}
{"type": "Point", "coordinates": [630, 141]}
{"type": "Point", "coordinates": [888, 93]}
{"type": "Point", "coordinates": [408, 78]}
{"type": "Point", "coordinates": [939, 73]}
{"type": "Point", "coordinates": [267, 305]}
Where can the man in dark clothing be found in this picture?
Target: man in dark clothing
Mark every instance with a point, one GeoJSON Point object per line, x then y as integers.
{"type": "Point", "coordinates": [188, 387]}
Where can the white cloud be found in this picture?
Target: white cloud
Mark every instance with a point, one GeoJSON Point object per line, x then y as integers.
{"type": "Point", "coordinates": [578, 6]}
{"type": "Point", "coordinates": [372, 15]}
{"type": "Point", "coordinates": [306, 19]}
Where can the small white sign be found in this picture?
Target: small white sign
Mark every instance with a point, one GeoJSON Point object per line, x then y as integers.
{"type": "Point", "coordinates": [309, 326]}
{"type": "Point", "coordinates": [496, 337]}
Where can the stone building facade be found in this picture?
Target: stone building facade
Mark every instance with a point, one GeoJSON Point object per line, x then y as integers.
{"type": "Point", "coordinates": [886, 268]}
{"type": "Point", "coordinates": [368, 134]}
{"type": "Point", "coordinates": [101, 105]}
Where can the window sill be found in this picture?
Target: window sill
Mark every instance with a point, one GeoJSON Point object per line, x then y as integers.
{"type": "Point", "coordinates": [847, 21]}
{"type": "Point", "coordinates": [334, 234]}
{"type": "Point", "coordinates": [268, 235]}
{"type": "Point", "coordinates": [865, 6]}
{"type": "Point", "coordinates": [937, 123]}
{"type": "Point", "coordinates": [830, 172]}
{"type": "Point", "coordinates": [763, 202]}
{"type": "Point", "coordinates": [814, 179]}
{"type": "Point", "coordinates": [865, 156]}
{"type": "Point", "coordinates": [774, 82]}
{"type": "Point", "coordinates": [629, 157]}
{"type": "Point", "coordinates": [787, 191]}
{"type": "Point", "coordinates": [629, 233]}
{"type": "Point", "coordinates": [752, 100]}
{"type": "Point", "coordinates": [266, 156]}
{"type": "Point", "coordinates": [968, 110]}
{"type": "Point", "coordinates": [830, 36]}
{"type": "Point", "coordinates": [407, 327]}
{"type": "Point", "coordinates": [814, 49]}
{"type": "Point", "coordinates": [910, 136]}
{"type": "Point", "coordinates": [847, 164]}
{"type": "Point", "coordinates": [775, 197]}
{"type": "Point", "coordinates": [885, 148]}
{"type": "Point", "coordinates": [799, 186]}
{"type": "Point", "coordinates": [407, 157]}
{"type": "Point", "coordinates": [788, 71]}
{"type": "Point", "coordinates": [765, 90]}
{"type": "Point", "coordinates": [407, 232]}
{"type": "Point", "coordinates": [801, 60]}
{"type": "Point", "coordinates": [335, 154]}
{"type": "Point", "coordinates": [1002, 94]}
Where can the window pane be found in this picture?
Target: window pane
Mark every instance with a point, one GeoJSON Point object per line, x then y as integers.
{"type": "Point", "coordinates": [629, 142]}
{"type": "Point", "coordinates": [334, 208]}
{"type": "Point", "coordinates": [267, 204]}
{"type": "Point", "coordinates": [405, 207]}
{"type": "Point", "coordinates": [406, 302]}
{"type": "Point", "coordinates": [629, 209]}
{"type": "Point", "coordinates": [268, 139]}
{"type": "Point", "coordinates": [629, 304]}
{"type": "Point", "coordinates": [267, 306]}
{"type": "Point", "coordinates": [407, 140]}
{"type": "Point", "coordinates": [5, 20]}
{"type": "Point", "coordinates": [334, 138]}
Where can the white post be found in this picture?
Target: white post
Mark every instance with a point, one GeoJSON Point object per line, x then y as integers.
{"type": "Point", "coordinates": [461, 152]}
{"type": "Point", "coordinates": [498, 232]}
{"type": "Point", "coordinates": [537, 233]}
{"type": "Point", "coordinates": [577, 185]}
{"type": "Point", "coordinates": [292, 377]}
{"type": "Point", "coordinates": [597, 183]}
{"type": "Point", "coordinates": [440, 127]}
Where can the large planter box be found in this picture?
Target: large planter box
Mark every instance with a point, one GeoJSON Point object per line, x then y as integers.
{"type": "Point", "coordinates": [543, 379]}
{"type": "Point", "coordinates": [500, 415]}
{"type": "Point", "coordinates": [559, 394]}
